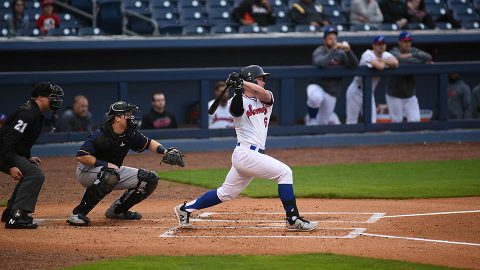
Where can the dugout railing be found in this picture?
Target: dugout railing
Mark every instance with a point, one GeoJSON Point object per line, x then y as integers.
{"type": "Point", "coordinates": [286, 93]}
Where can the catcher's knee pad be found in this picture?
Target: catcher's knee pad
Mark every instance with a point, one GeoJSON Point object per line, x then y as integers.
{"type": "Point", "coordinates": [286, 176]}
{"type": "Point", "coordinates": [108, 179]}
{"type": "Point", "coordinates": [138, 194]}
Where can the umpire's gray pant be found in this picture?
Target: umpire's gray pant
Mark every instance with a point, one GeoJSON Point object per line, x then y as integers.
{"type": "Point", "coordinates": [87, 175]}
{"type": "Point", "coordinates": [25, 194]}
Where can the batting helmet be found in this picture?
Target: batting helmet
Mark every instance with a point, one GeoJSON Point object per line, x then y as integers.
{"type": "Point", "coordinates": [50, 90]}
{"type": "Point", "coordinates": [249, 73]}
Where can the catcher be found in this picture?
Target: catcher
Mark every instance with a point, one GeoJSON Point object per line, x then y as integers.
{"type": "Point", "coordinates": [100, 167]}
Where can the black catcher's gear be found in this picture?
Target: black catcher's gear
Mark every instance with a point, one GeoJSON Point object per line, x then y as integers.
{"type": "Point", "coordinates": [124, 108]}
{"type": "Point", "coordinates": [173, 157]}
{"type": "Point", "coordinates": [249, 73]}
{"type": "Point", "coordinates": [52, 91]}
{"type": "Point", "coordinates": [108, 179]}
{"type": "Point", "coordinates": [149, 180]}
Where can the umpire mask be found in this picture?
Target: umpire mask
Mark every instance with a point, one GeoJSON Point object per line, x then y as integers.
{"type": "Point", "coordinates": [52, 91]}
{"type": "Point", "coordinates": [127, 109]}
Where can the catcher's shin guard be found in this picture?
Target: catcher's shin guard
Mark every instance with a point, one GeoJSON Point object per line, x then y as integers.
{"type": "Point", "coordinates": [136, 195]}
{"type": "Point", "coordinates": [108, 179]}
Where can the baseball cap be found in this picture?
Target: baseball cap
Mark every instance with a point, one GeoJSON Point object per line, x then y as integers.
{"type": "Point", "coordinates": [42, 89]}
{"type": "Point", "coordinates": [328, 30]}
{"type": "Point", "coordinates": [379, 40]}
{"type": "Point", "coordinates": [405, 36]}
{"type": "Point", "coordinates": [47, 2]}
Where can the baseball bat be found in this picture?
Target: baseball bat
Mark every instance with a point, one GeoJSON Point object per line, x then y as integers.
{"type": "Point", "coordinates": [215, 104]}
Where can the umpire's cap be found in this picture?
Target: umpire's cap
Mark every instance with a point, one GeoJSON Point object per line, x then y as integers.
{"type": "Point", "coordinates": [249, 73]}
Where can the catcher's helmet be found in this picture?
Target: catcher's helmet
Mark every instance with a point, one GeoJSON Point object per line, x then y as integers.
{"type": "Point", "coordinates": [121, 108]}
{"type": "Point", "coordinates": [249, 73]}
{"type": "Point", "coordinates": [50, 90]}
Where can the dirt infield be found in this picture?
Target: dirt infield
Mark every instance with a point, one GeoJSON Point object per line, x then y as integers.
{"type": "Point", "coordinates": [435, 231]}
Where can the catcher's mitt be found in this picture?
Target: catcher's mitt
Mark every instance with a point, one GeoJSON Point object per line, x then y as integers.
{"type": "Point", "coordinates": [173, 157]}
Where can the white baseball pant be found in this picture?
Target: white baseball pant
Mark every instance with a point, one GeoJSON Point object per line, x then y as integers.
{"type": "Point", "coordinates": [355, 102]}
{"type": "Point", "coordinates": [400, 107]}
{"type": "Point", "coordinates": [317, 98]}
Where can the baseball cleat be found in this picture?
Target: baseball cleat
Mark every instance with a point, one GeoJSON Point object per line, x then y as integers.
{"type": "Point", "coordinates": [183, 216]}
{"type": "Point", "coordinates": [301, 224]}
{"type": "Point", "coordinates": [7, 214]}
{"type": "Point", "coordinates": [20, 220]}
{"type": "Point", "coordinates": [128, 215]}
{"type": "Point", "coordinates": [78, 220]}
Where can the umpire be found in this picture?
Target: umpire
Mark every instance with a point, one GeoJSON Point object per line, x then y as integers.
{"type": "Point", "coordinates": [17, 137]}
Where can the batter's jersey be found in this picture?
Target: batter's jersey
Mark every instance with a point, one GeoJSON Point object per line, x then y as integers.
{"type": "Point", "coordinates": [367, 57]}
{"type": "Point", "coordinates": [252, 126]}
{"type": "Point", "coordinates": [221, 118]}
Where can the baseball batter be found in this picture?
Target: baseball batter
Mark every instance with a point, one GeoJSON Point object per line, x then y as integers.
{"type": "Point", "coordinates": [379, 59]}
{"type": "Point", "coordinates": [401, 99]}
{"type": "Point", "coordinates": [101, 169]}
{"type": "Point", "coordinates": [251, 107]}
{"type": "Point", "coordinates": [322, 95]}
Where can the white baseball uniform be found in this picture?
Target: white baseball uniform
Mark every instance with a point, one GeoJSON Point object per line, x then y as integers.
{"type": "Point", "coordinates": [221, 118]}
{"type": "Point", "coordinates": [248, 158]}
{"type": "Point", "coordinates": [319, 98]}
{"type": "Point", "coordinates": [355, 92]}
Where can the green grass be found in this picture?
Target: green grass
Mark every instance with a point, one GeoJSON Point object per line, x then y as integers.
{"type": "Point", "coordinates": [401, 180]}
{"type": "Point", "coordinates": [302, 261]}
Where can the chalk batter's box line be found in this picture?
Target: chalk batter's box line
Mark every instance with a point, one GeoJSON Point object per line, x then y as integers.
{"type": "Point", "coordinates": [171, 233]}
{"type": "Point", "coordinates": [373, 217]}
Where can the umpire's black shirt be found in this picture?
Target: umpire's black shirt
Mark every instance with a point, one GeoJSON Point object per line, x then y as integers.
{"type": "Point", "coordinates": [105, 145]}
{"type": "Point", "coordinates": [20, 132]}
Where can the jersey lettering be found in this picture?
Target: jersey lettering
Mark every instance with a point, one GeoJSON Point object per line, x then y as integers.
{"type": "Point", "coordinates": [20, 126]}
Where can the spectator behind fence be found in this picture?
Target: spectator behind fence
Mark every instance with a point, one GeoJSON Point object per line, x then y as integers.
{"type": "Point", "coordinates": [476, 101]}
{"type": "Point", "coordinates": [222, 117]}
{"type": "Point", "coordinates": [379, 59]}
{"type": "Point", "coordinates": [400, 91]}
{"type": "Point", "coordinates": [48, 19]}
{"type": "Point", "coordinates": [158, 116]}
{"type": "Point", "coordinates": [365, 12]}
{"type": "Point", "coordinates": [17, 19]}
{"type": "Point", "coordinates": [307, 12]}
{"type": "Point", "coordinates": [459, 98]}
{"type": "Point", "coordinates": [77, 118]}
{"type": "Point", "coordinates": [395, 11]}
{"type": "Point", "coordinates": [254, 12]}
{"type": "Point", "coordinates": [322, 94]}
{"type": "Point", "coordinates": [418, 13]}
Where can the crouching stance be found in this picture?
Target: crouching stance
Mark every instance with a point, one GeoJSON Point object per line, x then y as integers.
{"type": "Point", "coordinates": [100, 167]}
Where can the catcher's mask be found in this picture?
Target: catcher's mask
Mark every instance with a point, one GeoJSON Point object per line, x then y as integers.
{"type": "Point", "coordinates": [250, 73]}
{"type": "Point", "coordinates": [124, 108]}
{"type": "Point", "coordinates": [52, 91]}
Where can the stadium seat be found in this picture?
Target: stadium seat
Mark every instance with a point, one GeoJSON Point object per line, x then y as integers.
{"type": "Point", "coordinates": [466, 17]}
{"type": "Point", "coordinates": [170, 30]}
{"type": "Point", "coordinates": [342, 26]}
{"type": "Point", "coordinates": [165, 16]}
{"type": "Point", "coordinates": [388, 27]}
{"type": "Point", "coordinates": [444, 25]}
{"type": "Point", "coordinates": [33, 5]}
{"type": "Point", "coordinates": [85, 5]}
{"type": "Point", "coordinates": [56, 32]}
{"type": "Point", "coordinates": [3, 30]}
{"type": "Point", "coordinates": [224, 29]}
{"type": "Point", "coordinates": [278, 4]}
{"type": "Point", "coordinates": [434, 2]}
{"type": "Point", "coordinates": [139, 6]}
{"type": "Point", "coordinates": [192, 16]}
{"type": "Point", "coordinates": [417, 26]}
{"type": "Point", "coordinates": [109, 18]}
{"type": "Point", "coordinates": [251, 29]}
{"type": "Point", "coordinates": [190, 4]}
{"type": "Point", "coordinates": [362, 27]}
{"type": "Point", "coordinates": [3, 14]}
{"type": "Point", "coordinates": [140, 26]}
{"type": "Point", "coordinates": [33, 32]}
{"type": "Point", "coordinates": [279, 28]}
{"type": "Point", "coordinates": [90, 31]}
{"type": "Point", "coordinates": [169, 4]}
{"type": "Point", "coordinates": [195, 30]}
{"type": "Point", "coordinates": [476, 4]}
{"type": "Point", "coordinates": [281, 15]}
{"type": "Point", "coordinates": [219, 3]}
{"type": "Point", "coordinates": [452, 3]}
{"type": "Point", "coordinates": [471, 25]}
{"type": "Point", "coordinates": [219, 15]}
{"type": "Point", "coordinates": [307, 28]}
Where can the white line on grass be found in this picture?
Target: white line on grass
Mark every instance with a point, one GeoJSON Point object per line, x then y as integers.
{"type": "Point", "coordinates": [419, 239]}
{"type": "Point", "coordinates": [435, 213]}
